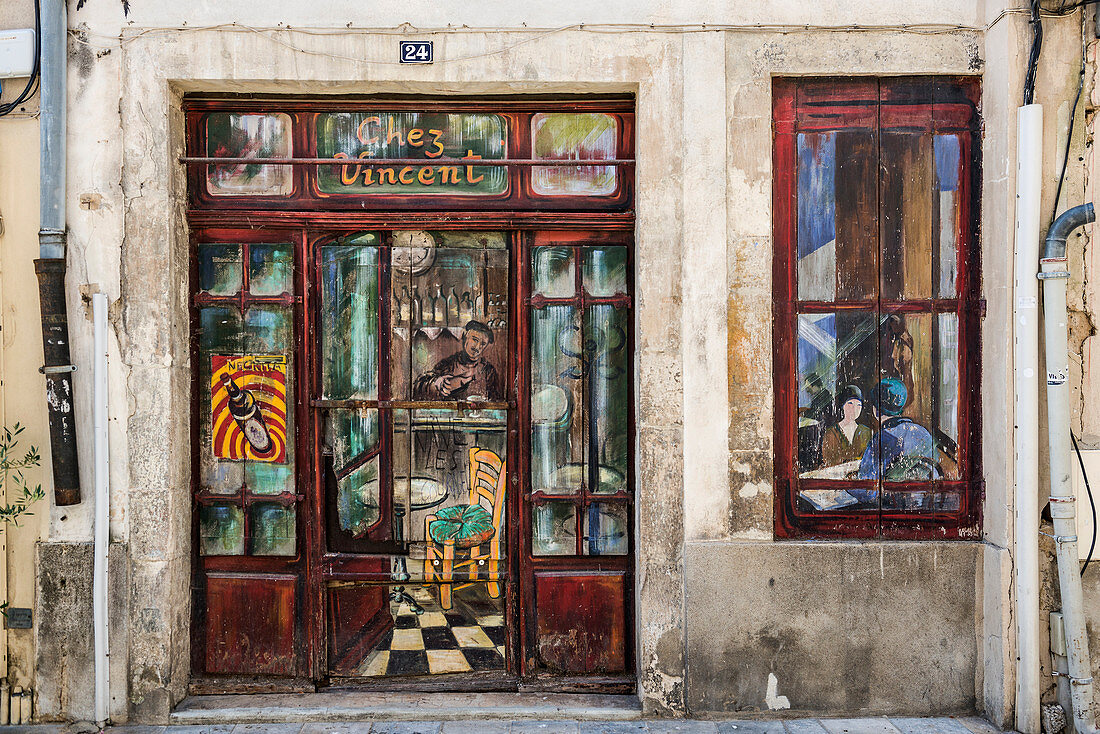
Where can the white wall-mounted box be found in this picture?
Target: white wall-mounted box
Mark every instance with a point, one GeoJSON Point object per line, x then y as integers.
{"type": "Point", "coordinates": [16, 53]}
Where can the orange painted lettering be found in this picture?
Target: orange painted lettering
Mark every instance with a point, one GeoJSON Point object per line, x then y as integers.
{"type": "Point", "coordinates": [387, 175]}
{"type": "Point", "coordinates": [426, 176]}
{"type": "Point", "coordinates": [360, 132]}
{"type": "Point", "coordinates": [416, 136]}
{"type": "Point", "coordinates": [401, 175]}
{"type": "Point", "coordinates": [392, 132]}
{"type": "Point", "coordinates": [448, 174]}
{"type": "Point", "coordinates": [470, 178]}
{"type": "Point", "coordinates": [436, 134]}
{"type": "Point", "coordinates": [344, 177]}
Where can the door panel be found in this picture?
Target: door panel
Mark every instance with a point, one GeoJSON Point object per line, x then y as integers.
{"type": "Point", "coordinates": [581, 622]}
{"type": "Point", "coordinates": [250, 623]}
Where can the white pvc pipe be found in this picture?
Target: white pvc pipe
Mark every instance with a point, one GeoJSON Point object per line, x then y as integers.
{"type": "Point", "coordinates": [1029, 162]}
{"type": "Point", "coordinates": [102, 500]}
{"type": "Point", "coordinates": [1055, 275]}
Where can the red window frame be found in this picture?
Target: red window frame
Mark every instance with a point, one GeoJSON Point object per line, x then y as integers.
{"type": "Point", "coordinates": [919, 106]}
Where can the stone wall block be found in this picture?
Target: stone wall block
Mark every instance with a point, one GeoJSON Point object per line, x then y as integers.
{"type": "Point", "coordinates": [750, 505]}
{"type": "Point", "coordinates": [874, 628]}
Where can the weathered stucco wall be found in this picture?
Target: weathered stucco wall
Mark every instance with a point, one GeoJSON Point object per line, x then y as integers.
{"type": "Point", "coordinates": [720, 604]}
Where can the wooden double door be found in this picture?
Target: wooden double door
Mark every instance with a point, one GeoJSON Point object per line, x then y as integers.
{"type": "Point", "coordinates": [413, 456]}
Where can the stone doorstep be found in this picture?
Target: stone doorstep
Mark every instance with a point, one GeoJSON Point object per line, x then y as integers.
{"type": "Point", "coordinates": [362, 706]}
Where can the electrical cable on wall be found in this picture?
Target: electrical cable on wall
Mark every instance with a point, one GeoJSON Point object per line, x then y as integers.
{"type": "Point", "coordinates": [32, 83]}
{"type": "Point", "coordinates": [1092, 502]}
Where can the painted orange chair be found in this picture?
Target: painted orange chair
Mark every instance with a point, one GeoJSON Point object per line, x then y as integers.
{"type": "Point", "coordinates": [477, 558]}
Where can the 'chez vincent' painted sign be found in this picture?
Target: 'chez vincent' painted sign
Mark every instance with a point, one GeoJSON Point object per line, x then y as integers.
{"type": "Point", "coordinates": [360, 136]}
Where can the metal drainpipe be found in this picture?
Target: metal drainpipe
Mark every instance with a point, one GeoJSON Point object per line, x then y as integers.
{"type": "Point", "coordinates": [1055, 275]}
{"type": "Point", "coordinates": [50, 267]}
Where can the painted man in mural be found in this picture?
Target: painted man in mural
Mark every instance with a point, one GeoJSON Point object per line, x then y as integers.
{"type": "Point", "coordinates": [905, 448]}
{"type": "Point", "coordinates": [464, 375]}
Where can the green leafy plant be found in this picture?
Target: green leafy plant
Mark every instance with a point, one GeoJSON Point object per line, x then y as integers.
{"type": "Point", "coordinates": [12, 464]}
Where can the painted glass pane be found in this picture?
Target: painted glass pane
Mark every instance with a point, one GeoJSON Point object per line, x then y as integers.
{"type": "Point", "coordinates": [427, 135]}
{"type": "Point", "coordinates": [264, 477]}
{"type": "Point", "coordinates": [906, 224]}
{"type": "Point", "coordinates": [554, 529]}
{"type": "Point", "coordinates": [349, 322]}
{"type": "Point", "coordinates": [270, 269]}
{"type": "Point", "coordinates": [583, 136]}
{"type": "Point", "coordinates": [837, 371]}
{"type": "Point", "coordinates": [558, 425]}
{"type": "Point", "coordinates": [220, 330]}
{"type": "Point", "coordinates": [948, 213]}
{"type": "Point", "coordinates": [604, 370]}
{"type": "Point", "coordinates": [219, 477]}
{"type": "Point", "coordinates": [272, 530]}
{"type": "Point", "coordinates": [903, 448]}
{"type": "Point", "coordinates": [552, 272]}
{"type": "Point", "coordinates": [837, 216]}
{"type": "Point", "coordinates": [604, 271]}
{"type": "Point", "coordinates": [267, 330]}
{"type": "Point", "coordinates": [233, 135]}
{"type": "Point", "coordinates": [221, 530]}
{"type": "Point", "coordinates": [452, 465]}
{"type": "Point", "coordinates": [605, 529]}
{"type": "Point", "coordinates": [946, 398]}
{"type": "Point", "coordinates": [358, 497]}
{"type": "Point", "coordinates": [457, 335]}
{"type": "Point", "coordinates": [220, 269]}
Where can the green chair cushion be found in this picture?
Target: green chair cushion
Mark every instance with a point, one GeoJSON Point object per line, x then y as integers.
{"type": "Point", "coordinates": [467, 525]}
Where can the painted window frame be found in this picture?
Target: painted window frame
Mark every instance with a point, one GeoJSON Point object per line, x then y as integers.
{"type": "Point", "coordinates": [901, 106]}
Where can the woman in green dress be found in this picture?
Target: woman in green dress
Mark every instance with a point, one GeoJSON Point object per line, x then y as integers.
{"type": "Point", "coordinates": [846, 440]}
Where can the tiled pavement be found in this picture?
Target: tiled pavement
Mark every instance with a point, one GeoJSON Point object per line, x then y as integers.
{"type": "Point", "coordinates": [870, 725]}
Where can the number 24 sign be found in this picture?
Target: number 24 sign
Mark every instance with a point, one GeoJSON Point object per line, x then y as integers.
{"type": "Point", "coordinates": [416, 52]}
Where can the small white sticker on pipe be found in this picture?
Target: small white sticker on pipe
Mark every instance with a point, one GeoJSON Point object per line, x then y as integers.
{"type": "Point", "coordinates": [1057, 377]}
{"type": "Point", "coordinates": [1027, 302]}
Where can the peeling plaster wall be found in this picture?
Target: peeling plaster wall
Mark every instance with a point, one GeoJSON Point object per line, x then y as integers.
{"type": "Point", "coordinates": [708, 621]}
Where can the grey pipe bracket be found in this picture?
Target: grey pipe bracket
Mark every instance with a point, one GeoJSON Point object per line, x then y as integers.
{"type": "Point", "coordinates": [1054, 275]}
{"type": "Point", "coordinates": [1074, 681]}
{"type": "Point", "coordinates": [58, 369]}
{"type": "Point", "coordinates": [1060, 538]}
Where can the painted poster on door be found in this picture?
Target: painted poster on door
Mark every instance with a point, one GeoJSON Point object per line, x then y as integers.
{"type": "Point", "coordinates": [248, 407]}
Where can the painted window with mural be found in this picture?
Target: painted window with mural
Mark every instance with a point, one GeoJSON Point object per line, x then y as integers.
{"type": "Point", "coordinates": [413, 376]}
{"type": "Point", "coordinates": [877, 297]}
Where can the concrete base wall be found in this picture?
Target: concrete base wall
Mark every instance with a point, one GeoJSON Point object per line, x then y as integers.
{"type": "Point", "coordinates": [64, 644]}
{"type": "Point", "coordinates": [867, 628]}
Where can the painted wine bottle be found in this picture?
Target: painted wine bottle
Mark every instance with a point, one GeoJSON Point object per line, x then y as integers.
{"type": "Point", "coordinates": [246, 411]}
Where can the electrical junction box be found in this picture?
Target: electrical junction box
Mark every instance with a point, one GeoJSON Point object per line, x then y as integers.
{"type": "Point", "coordinates": [1091, 457]}
{"type": "Point", "coordinates": [16, 53]}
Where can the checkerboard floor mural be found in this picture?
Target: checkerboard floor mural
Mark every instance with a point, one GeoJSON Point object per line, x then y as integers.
{"type": "Point", "coordinates": [469, 637]}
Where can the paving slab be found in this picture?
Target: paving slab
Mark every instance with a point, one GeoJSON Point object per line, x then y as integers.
{"type": "Point", "coordinates": [746, 726]}
{"type": "Point", "coordinates": [477, 727]}
{"type": "Point", "coordinates": [544, 727]}
{"type": "Point", "coordinates": [930, 725]}
{"type": "Point", "coordinates": [127, 729]}
{"type": "Point", "coordinates": [611, 727]}
{"type": "Point", "coordinates": [805, 726]}
{"type": "Point", "coordinates": [862, 725]}
{"type": "Point", "coordinates": [406, 727]}
{"type": "Point", "coordinates": [978, 725]}
{"type": "Point", "coordinates": [335, 727]}
{"type": "Point", "coordinates": [681, 726]}
{"type": "Point", "coordinates": [267, 728]}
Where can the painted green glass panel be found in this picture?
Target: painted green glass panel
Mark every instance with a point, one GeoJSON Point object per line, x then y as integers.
{"type": "Point", "coordinates": [947, 401]}
{"type": "Point", "coordinates": [349, 322]}
{"type": "Point", "coordinates": [554, 529]}
{"type": "Point", "coordinates": [220, 269]}
{"type": "Point", "coordinates": [358, 499]}
{"type": "Point", "coordinates": [270, 269]}
{"type": "Point", "coordinates": [220, 331]}
{"type": "Point", "coordinates": [574, 136]}
{"type": "Point", "coordinates": [268, 331]}
{"type": "Point", "coordinates": [219, 477]}
{"type": "Point", "coordinates": [272, 530]}
{"type": "Point", "coordinates": [350, 433]}
{"type": "Point", "coordinates": [604, 363]}
{"type": "Point", "coordinates": [604, 271]}
{"type": "Point", "coordinates": [265, 477]}
{"type": "Point", "coordinates": [605, 529]}
{"type": "Point", "coordinates": [221, 530]}
{"type": "Point", "coordinates": [558, 425]}
{"type": "Point", "coordinates": [471, 240]}
{"type": "Point", "coordinates": [419, 135]}
{"type": "Point", "coordinates": [231, 135]}
{"type": "Point", "coordinates": [553, 272]}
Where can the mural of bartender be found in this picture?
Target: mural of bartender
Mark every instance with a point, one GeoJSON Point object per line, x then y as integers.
{"type": "Point", "coordinates": [464, 375]}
